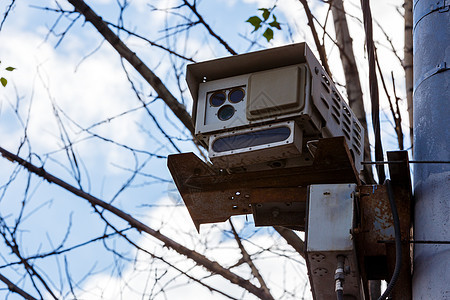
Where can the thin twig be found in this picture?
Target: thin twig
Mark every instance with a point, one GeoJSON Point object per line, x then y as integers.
{"type": "Point", "coordinates": [202, 21]}
{"type": "Point", "coordinates": [320, 47]}
{"type": "Point", "coordinates": [200, 259]}
{"type": "Point", "coordinates": [177, 108]}
{"type": "Point", "coordinates": [15, 289]}
{"type": "Point", "coordinates": [248, 259]}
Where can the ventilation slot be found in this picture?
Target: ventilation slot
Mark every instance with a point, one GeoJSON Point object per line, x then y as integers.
{"type": "Point", "coordinates": [346, 127]}
{"type": "Point", "coordinates": [325, 79]}
{"type": "Point", "coordinates": [357, 126]}
{"type": "Point", "coordinates": [347, 135]}
{"type": "Point", "coordinates": [347, 119]}
{"type": "Point", "coordinates": [347, 112]}
{"type": "Point", "coordinates": [325, 102]}
{"type": "Point", "coordinates": [325, 86]}
{"type": "Point", "coordinates": [336, 111]}
{"type": "Point", "coordinates": [347, 115]}
{"type": "Point", "coordinates": [336, 118]}
{"type": "Point", "coordinates": [336, 95]}
{"type": "Point", "coordinates": [336, 102]}
{"type": "Point", "coordinates": [357, 150]}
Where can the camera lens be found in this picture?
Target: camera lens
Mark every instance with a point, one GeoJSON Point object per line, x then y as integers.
{"type": "Point", "coordinates": [236, 95]}
{"type": "Point", "coordinates": [225, 112]}
{"type": "Point", "coordinates": [217, 99]}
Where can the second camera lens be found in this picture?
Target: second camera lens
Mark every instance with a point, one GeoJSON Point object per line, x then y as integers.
{"type": "Point", "coordinates": [217, 99]}
{"type": "Point", "coordinates": [236, 95]}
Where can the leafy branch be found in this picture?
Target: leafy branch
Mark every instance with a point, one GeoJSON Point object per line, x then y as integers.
{"type": "Point", "coordinates": [258, 23]}
{"type": "Point", "coordinates": [3, 80]}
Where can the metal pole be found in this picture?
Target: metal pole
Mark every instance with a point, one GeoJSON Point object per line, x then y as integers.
{"type": "Point", "coordinates": [431, 142]}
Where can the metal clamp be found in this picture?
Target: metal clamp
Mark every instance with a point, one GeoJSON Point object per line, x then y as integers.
{"type": "Point", "coordinates": [442, 67]}
{"type": "Point", "coordinates": [440, 6]}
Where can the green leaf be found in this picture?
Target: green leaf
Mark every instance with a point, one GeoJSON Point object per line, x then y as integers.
{"type": "Point", "coordinates": [4, 81]}
{"type": "Point", "coordinates": [10, 69]}
{"type": "Point", "coordinates": [265, 14]}
{"type": "Point", "coordinates": [268, 34]}
{"type": "Point", "coordinates": [275, 23]}
{"type": "Point", "coordinates": [255, 21]}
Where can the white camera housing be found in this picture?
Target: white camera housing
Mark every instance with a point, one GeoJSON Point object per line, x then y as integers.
{"type": "Point", "coordinates": [240, 100]}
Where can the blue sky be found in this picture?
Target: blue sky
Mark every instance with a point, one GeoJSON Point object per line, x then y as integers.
{"type": "Point", "coordinates": [91, 88]}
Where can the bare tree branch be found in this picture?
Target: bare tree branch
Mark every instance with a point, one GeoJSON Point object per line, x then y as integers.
{"type": "Point", "coordinates": [13, 245]}
{"type": "Point", "coordinates": [15, 289]}
{"type": "Point", "coordinates": [123, 235]}
{"type": "Point", "coordinates": [408, 64]}
{"type": "Point", "coordinates": [320, 47]}
{"type": "Point", "coordinates": [200, 259]}
{"type": "Point", "coordinates": [178, 109]}
{"type": "Point", "coordinates": [150, 42]}
{"type": "Point", "coordinates": [5, 15]}
{"type": "Point", "coordinates": [395, 114]}
{"type": "Point", "coordinates": [292, 239]}
{"type": "Point", "coordinates": [202, 21]}
{"type": "Point", "coordinates": [247, 258]}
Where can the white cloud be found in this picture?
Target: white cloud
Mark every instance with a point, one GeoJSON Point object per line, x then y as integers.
{"type": "Point", "coordinates": [143, 274]}
{"type": "Point", "coordinates": [91, 93]}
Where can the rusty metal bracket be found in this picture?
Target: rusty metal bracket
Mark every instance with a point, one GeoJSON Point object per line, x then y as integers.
{"type": "Point", "coordinates": [375, 224]}
{"type": "Point", "coordinates": [275, 197]}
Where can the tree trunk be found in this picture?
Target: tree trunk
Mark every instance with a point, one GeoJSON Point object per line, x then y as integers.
{"type": "Point", "coordinates": [352, 81]}
{"type": "Point", "coordinates": [408, 62]}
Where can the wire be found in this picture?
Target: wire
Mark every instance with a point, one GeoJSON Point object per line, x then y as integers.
{"type": "Point", "coordinates": [415, 242]}
{"type": "Point", "coordinates": [398, 242]}
{"type": "Point", "coordinates": [404, 161]}
{"type": "Point", "coordinates": [339, 277]}
{"type": "Point", "coordinates": [373, 87]}
{"type": "Point", "coordinates": [340, 295]}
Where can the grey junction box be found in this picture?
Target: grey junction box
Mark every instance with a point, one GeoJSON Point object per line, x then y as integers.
{"type": "Point", "coordinates": [330, 218]}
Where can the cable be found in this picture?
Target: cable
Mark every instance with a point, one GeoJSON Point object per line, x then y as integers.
{"type": "Point", "coordinates": [373, 86]}
{"type": "Point", "coordinates": [398, 242]}
{"type": "Point", "coordinates": [340, 295]}
{"type": "Point", "coordinates": [339, 277]}
{"type": "Point", "coordinates": [405, 161]}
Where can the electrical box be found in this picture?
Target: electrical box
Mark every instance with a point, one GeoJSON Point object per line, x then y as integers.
{"type": "Point", "coordinates": [329, 223]}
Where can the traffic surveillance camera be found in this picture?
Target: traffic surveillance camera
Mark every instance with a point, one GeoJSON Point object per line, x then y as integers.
{"type": "Point", "coordinates": [266, 109]}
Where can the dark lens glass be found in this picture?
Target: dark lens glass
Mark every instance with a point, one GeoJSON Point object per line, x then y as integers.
{"type": "Point", "coordinates": [225, 112]}
{"type": "Point", "coordinates": [251, 139]}
{"type": "Point", "coordinates": [217, 99]}
{"type": "Point", "coordinates": [236, 95]}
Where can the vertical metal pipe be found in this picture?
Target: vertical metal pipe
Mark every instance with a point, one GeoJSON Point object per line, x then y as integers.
{"type": "Point", "coordinates": [431, 33]}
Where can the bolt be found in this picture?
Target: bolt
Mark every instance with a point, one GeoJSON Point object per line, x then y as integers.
{"type": "Point", "coordinates": [275, 212]}
{"type": "Point", "coordinates": [347, 269]}
{"type": "Point", "coordinates": [355, 231]}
